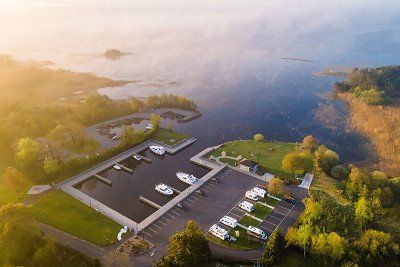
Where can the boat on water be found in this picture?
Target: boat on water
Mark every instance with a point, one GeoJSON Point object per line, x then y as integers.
{"type": "Point", "coordinates": [186, 178]}
{"type": "Point", "coordinates": [164, 190]}
{"type": "Point", "coordinates": [117, 167]}
{"type": "Point", "coordinates": [137, 157]}
{"type": "Point", "coordinates": [159, 150]}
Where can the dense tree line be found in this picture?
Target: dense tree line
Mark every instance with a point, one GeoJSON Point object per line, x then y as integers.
{"type": "Point", "coordinates": [21, 243]}
{"type": "Point", "coordinates": [348, 234]}
{"type": "Point", "coordinates": [375, 86]}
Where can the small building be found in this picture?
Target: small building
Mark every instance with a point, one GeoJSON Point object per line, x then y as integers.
{"type": "Point", "coordinates": [249, 165]}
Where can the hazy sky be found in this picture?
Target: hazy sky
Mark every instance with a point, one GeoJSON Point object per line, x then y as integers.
{"type": "Point", "coordinates": [196, 41]}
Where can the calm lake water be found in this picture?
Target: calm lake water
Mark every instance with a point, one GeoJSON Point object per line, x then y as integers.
{"type": "Point", "coordinates": [225, 55]}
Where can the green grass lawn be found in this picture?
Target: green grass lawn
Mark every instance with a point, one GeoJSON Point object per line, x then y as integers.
{"type": "Point", "coordinates": [270, 154]}
{"type": "Point", "coordinates": [260, 211]}
{"type": "Point", "coordinates": [242, 242]}
{"type": "Point", "coordinates": [323, 182]}
{"type": "Point", "coordinates": [229, 161]}
{"type": "Point", "coordinates": [246, 221]}
{"type": "Point", "coordinates": [270, 201]}
{"type": "Point", "coordinates": [165, 136]}
{"type": "Point", "coordinates": [62, 211]}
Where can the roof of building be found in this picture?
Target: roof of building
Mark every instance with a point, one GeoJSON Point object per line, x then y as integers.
{"type": "Point", "coordinates": [248, 163]}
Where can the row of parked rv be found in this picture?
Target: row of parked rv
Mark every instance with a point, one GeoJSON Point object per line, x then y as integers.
{"type": "Point", "coordinates": [253, 194]}
{"type": "Point", "coordinates": [233, 223]}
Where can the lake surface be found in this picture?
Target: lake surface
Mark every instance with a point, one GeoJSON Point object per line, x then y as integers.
{"type": "Point", "coordinates": [227, 56]}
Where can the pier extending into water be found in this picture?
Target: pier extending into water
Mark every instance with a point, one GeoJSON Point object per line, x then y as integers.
{"type": "Point", "coordinates": [125, 168]}
{"type": "Point", "coordinates": [68, 186]}
{"type": "Point", "coordinates": [149, 202]}
{"type": "Point", "coordinates": [102, 179]}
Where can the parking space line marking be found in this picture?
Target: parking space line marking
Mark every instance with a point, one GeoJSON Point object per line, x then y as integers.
{"type": "Point", "coordinates": [147, 233]}
{"type": "Point", "coordinates": [188, 199]}
{"type": "Point", "coordinates": [166, 219]}
{"type": "Point", "coordinates": [234, 215]}
{"type": "Point", "coordinates": [286, 215]}
{"type": "Point", "coordinates": [177, 209]}
{"type": "Point", "coordinates": [282, 207]}
{"type": "Point", "coordinates": [157, 226]}
{"type": "Point", "coordinates": [207, 186]}
{"type": "Point", "coordinates": [161, 222]}
{"type": "Point", "coordinates": [151, 229]}
{"type": "Point", "coordinates": [186, 203]}
{"type": "Point", "coordinates": [175, 212]}
{"type": "Point", "coordinates": [205, 190]}
{"type": "Point", "coordinates": [170, 215]}
{"type": "Point", "coordinates": [279, 212]}
{"type": "Point", "coordinates": [271, 223]}
{"type": "Point", "coordinates": [194, 197]}
{"type": "Point", "coordinates": [275, 217]}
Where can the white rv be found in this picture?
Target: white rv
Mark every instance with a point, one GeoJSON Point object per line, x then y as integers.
{"type": "Point", "coordinates": [219, 232]}
{"type": "Point", "coordinates": [257, 233]}
{"type": "Point", "coordinates": [228, 221]}
{"type": "Point", "coordinates": [247, 206]}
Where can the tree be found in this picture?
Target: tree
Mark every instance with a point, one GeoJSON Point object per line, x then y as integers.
{"type": "Point", "coordinates": [340, 172]}
{"type": "Point", "coordinates": [27, 152]}
{"type": "Point", "coordinates": [303, 238]}
{"type": "Point", "coordinates": [14, 180]}
{"type": "Point", "coordinates": [331, 247]}
{"type": "Point", "coordinates": [128, 136]}
{"type": "Point", "coordinates": [188, 247]}
{"type": "Point", "coordinates": [136, 104]}
{"type": "Point", "coordinates": [297, 163]}
{"type": "Point", "coordinates": [275, 186]}
{"type": "Point", "coordinates": [377, 247]}
{"type": "Point", "coordinates": [273, 249]}
{"type": "Point", "coordinates": [363, 212]}
{"type": "Point", "coordinates": [46, 255]}
{"type": "Point", "coordinates": [155, 120]}
{"type": "Point", "coordinates": [309, 142]}
{"type": "Point", "coordinates": [50, 165]}
{"type": "Point", "coordinates": [18, 234]}
{"type": "Point", "coordinates": [326, 158]}
{"type": "Point", "coordinates": [258, 137]}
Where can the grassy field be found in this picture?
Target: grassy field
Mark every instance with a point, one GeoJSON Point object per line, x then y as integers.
{"type": "Point", "coordinates": [62, 211]}
{"type": "Point", "coordinates": [270, 201]}
{"type": "Point", "coordinates": [246, 221]}
{"type": "Point", "coordinates": [323, 182]}
{"type": "Point", "coordinates": [268, 154]}
{"type": "Point", "coordinates": [260, 211]}
{"type": "Point", "coordinates": [165, 136]}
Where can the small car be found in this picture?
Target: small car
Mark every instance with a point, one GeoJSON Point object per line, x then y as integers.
{"type": "Point", "coordinates": [182, 207]}
{"type": "Point", "coordinates": [289, 199]}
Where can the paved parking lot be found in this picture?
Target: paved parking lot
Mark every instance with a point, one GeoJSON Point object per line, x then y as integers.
{"type": "Point", "coordinates": [221, 199]}
{"type": "Point", "coordinates": [207, 210]}
{"type": "Point", "coordinates": [276, 217]}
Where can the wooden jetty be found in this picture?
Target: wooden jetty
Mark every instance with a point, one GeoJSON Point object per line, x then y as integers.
{"type": "Point", "coordinates": [149, 202]}
{"type": "Point", "coordinates": [102, 179]}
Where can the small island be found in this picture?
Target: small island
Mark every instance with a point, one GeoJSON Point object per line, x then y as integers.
{"type": "Point", "coordinates": [114, 54]}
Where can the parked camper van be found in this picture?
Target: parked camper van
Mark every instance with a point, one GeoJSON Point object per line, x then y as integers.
{"type": "Point", "coordinates": [228, 221]}
{"type": "Point", "coordinates": [251, 195]}
{"type": "Point", "coordinates": [257, 233]}
{"type": "Point", "coordinates": [219, 232]}
{"type": "Point", "coordinates": [259, 192]}
{"type": "Point", "coordinates": [247, 206]}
